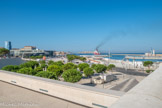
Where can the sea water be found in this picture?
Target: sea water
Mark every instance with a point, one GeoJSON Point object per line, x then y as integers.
{"type": "Point", "coordinates": [122, 57]}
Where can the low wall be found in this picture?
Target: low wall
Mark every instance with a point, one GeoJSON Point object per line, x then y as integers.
{"type": "Point", "coordinates": [147, 94]}
{"type": "Point", "coordinates": [84, 95]}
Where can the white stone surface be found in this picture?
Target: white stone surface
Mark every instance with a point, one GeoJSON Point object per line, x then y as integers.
{"type": "Point", "coordinates": [147, 94]}
{"type": "Point", "coordinates": [80, 94]}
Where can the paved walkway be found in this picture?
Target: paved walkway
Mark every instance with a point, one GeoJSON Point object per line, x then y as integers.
{"type": "Point", "coordinates": [12, 96]}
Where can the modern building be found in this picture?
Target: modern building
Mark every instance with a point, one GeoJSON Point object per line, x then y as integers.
{"type": "Point", "coordinates": [60, 53]}
{"type": "Point", "coordinates": [152, 53]}
{"type": "Point", "coordinates": [8, 45]}
{"type": "Point", "coordinates": [30, 51]}
{"type": "Point", "coordinates": [29, 48]}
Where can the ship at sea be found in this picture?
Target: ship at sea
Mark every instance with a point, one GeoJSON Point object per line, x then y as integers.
{"type": "Point", "coordinates": [96, 52]}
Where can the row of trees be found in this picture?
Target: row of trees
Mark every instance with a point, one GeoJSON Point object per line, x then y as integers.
{"type": "Point", "coordinates": [72, 57]}
{"type": "Point", "coordinates": [54, 70]}
{"type": "Point", "coordinates": [36, 57]}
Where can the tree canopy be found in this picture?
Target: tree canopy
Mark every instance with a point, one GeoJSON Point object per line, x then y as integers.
{"type": "Point", "coordinates": [31, 64]}
{"type": "Point", "coordinates": [38, 69]}
{"type": "Point", "coordinates": [58, 63]}
{"type": "Point", "coordinates": [100, 68]}
{"type": "Point", "coordinates": [4, 51]}
{"type": "Point", "coordinates": [72, 57]}
{"type": "Point", "coordinates": [72, 75]}
{"type": "Point", "coordinates": [36, 57]}
{"type": "Point", "coordinates": [69, 66]}
{"type": "Point", "coordinates": [82, 66]}
{"type": "Point", "coordinates": [13, 68]}
{"type": "Point", "coordinates": [88, 72]}
{"type": "Point", "coordinates": [46, 74]}
{"type": "Point", "coordinates": [147, 63]}
{"type": "Point", "coordinates": [55, 69]}
{"type": "Point", "coordinates": [93, 66]}
{"type": "Point", "coordinates": [50, 62]}
{"type": "Point", "coordinates": [27, 70]}
{"type": "Point", "coordinates": [110, 67]}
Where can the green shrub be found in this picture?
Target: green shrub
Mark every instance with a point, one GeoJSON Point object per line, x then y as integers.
{"type": "Point", "coordinates": [148, 71]}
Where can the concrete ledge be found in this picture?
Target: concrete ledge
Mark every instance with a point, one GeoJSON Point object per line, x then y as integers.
{"type": "Point", "coordinates": [147, 94]}
{"type": "Point", "coordinates": [84, 95]}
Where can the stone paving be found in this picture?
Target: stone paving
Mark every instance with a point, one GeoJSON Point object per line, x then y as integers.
{"type": "Point", "coordinates": [12, 96]}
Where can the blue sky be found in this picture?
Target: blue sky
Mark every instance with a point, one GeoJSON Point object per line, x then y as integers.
{"type": "Point", "coordinates": [79, 25]}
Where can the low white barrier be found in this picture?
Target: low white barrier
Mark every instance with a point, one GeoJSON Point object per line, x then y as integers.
{"type": "Point", "coordinates": [147, 94]}
{"type": "Point", "coordinates": [84, 95]}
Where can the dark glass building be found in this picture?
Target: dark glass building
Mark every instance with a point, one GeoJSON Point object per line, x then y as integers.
{"type": "Point", "coordinates": [8, 45]}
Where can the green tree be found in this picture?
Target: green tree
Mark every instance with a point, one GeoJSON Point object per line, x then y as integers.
{"type": "Point", "coordinates": [16, 68]}
{"type": "Point", "coordinates": [46, 74]}
{"type": "Point", "coordinates": [100, 68]}
{"type": "Point", "coordinates": [72, 57]}
{"type": "Point", "coordinates": [69, 66]}
{"type": "Point", "coordinates": [147, 64]}
{"type": "Point", "coordinates": [82, 58]}
{"type": "Point", "coordinates": [72, 75]}
{"type": "Point", "coordinates": [27, 70]}
{"type": "Point", "coordinates": [58, 63]}
{"type": "Point", "coordinates": [31, 64]}
{"type": "Point", "coordinates": [93, 66]}
{"type": "Point", "coordinates": [50, 62]}
{"type": "Point", "coordinates": [82, 66]}
{"type": "Point", "coordinates": [88, 72]}
{"type": "Point", "coordinates": [36, 57]}
{"type": "Point", "coordinates": [110, 67]}
{"type": "Point", "coordinates": [4, 52]}
{"type": "Point", "coordinates": [13, 68]}
{"type": "Point", "coordinates": [38, 69]}
{"type": "Point", "coordinates": [56, 69]}
{"type": "Point", "coordinates": [43, 64]}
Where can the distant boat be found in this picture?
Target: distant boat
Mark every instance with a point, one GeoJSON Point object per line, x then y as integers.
{"type": "Point", "coordinates": [96, 52]}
